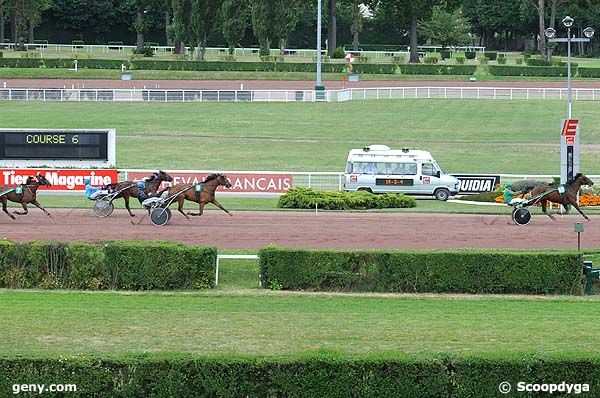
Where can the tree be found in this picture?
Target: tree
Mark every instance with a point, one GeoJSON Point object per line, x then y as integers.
{"type": "Point", "coordinates": [181, 24]}
{"type": "Point", "coordinates": [234, 17]}
{"type": "Point", "coordinates": [331, 26]}
{"type": "Point", "coordinates": [446, 28]}
{"type": "Point", "coordinates": [262, 17]}
{"type": "Point", "coordinates": [287, 13]}
{"type": "Point", "coordinates": [204, 18]}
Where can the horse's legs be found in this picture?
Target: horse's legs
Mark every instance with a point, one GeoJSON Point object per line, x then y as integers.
{"type": "Point", "coordinates": [180, 202]}
{"type": "Point", "coordinates": [576, 206]}
{"type": "Point", "coordinates": [22, 213]}
{"type": "Point", "coordinates": [200, 209]}
{"type": "Point", "coordinates": [126, 199]}
{"type": "Point", "coordinates": [544, 204]}
{"type": "Point", "coordinates": [39, 206]}
{"type": "Point", "coordinates": [4, 208]}
{"type": "Point", "coordinates": [220, 206]}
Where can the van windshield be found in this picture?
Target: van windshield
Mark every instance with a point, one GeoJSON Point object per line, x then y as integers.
{"type": "Point", "coordinates": [384, 168]}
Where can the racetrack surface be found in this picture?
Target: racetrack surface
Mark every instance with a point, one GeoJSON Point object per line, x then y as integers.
{"type": "Point", "coordinates": [295, 229]}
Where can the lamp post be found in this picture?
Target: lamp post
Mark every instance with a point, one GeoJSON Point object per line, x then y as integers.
{"type": "Point", "coordinates": [319, 89]}
{"type": "Point", "coordinates": [569, 149]}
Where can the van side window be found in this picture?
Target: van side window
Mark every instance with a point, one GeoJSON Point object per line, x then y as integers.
{"type": "Point", "coordinates": [427, 169]}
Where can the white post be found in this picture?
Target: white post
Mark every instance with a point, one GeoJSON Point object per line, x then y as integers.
{"type": "Point", "coordinates": [568, 73]}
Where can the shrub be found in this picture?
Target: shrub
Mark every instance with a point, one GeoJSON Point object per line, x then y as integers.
{"type": "Point", "coordinates": [416, 69]}
{"type": "Point", "coordinates": [519, 60]}
{"type": "Point", "coordinates": [397, 59]}
{"type": "Point", "coordinates": [546, 71]}
{"type": "Point", "coordinates": [589, 72]}
{"type": "Point", "coordinates": [363, 59]}
{"type": "Point", "coordinates": [339, 53]}
{"type": "Point", "coordinates": [501, 60]}
{"type": "Point", "coordinates": [491, 55]}
{"type": "Point", "coordinates": [483, 60]}
{"type": "Point", "coordinates": [430, 60]}
{"type": "Point", "coordinates": [482, 196]}
{"type": "Point", "coordinates": [445, 54]}
{"type": "Point", "coordinates": [458, 271]}
{"type": "Point", "coordinates": [470, 54]}
{"type": "Point", "coordinates": [145, 51]}
{"type": "Point", "coordinates": [123, 265]}
{"type": "Point", "coordinates": [374, 68]}
{"type": "Point", "coordinates": [272, 58]}
{"type": "Point", "coordinates": [460, 60]}
{"type": "Point", "coordinates": [306, 198]}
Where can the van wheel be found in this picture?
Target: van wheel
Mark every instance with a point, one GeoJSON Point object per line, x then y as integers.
{"type": "Point", "coordinates": [365, 189]}
{"type": "Point", "coordinates": [442, 194]}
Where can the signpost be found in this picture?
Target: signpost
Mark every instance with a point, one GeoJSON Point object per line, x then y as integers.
{"type": "Point", "coordinates": [569, 149]}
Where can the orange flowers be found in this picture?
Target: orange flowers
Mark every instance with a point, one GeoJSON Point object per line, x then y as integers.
{"type": "Point", "coordinates": [584, 200]}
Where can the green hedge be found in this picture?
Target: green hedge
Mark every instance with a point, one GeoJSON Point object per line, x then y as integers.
{"type": "Point", "coordinates": [436, 69]}
{"type": "Point", "coordinates": [464, 271]}
{"type": "Point", "coordinates": [589, 72]}
{"type": "Point", "coordinates": [63, 63]}
{"type": "Point", "coordinates": [306, 198]}
{"type": "Point", "coordinates": [406, 377]}
{"type": "Point", "coordinates": [235, 66]}
{"type": "Point", "coordinates": [119, 265]}
{"type": "Point", "coordinates": [547, 71]}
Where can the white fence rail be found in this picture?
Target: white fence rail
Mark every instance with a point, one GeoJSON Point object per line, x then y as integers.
{"type": "Point", "coordinates": [383, 93]}
{"type": "Point", "coordinates": [288, 52]}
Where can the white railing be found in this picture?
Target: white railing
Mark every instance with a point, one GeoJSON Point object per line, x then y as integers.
{"type": "Point", "coordinates": [384, 93]}
{"type": "Point", "coordinates": [288, 52]}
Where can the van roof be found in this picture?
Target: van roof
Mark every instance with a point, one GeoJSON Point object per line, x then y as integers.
{"type": "Point", "coordinates": [383, 153]}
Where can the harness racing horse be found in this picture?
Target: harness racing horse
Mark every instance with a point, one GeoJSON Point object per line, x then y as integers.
{"type": "Point", "coordinates": [205, 194]}
{"type": "Point", "coordinates": [568, 197]}
{"type": "Point", "coordinates": [26, 194]}
{"type": "Point", "coordinates": [152, 184]}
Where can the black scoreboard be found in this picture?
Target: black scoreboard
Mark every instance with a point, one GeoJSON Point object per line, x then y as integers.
{"type": "Point", "coordinates": [55, 145]}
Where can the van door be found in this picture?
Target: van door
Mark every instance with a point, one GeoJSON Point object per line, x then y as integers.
{"type": "Point", "coordinates": [429, 178]}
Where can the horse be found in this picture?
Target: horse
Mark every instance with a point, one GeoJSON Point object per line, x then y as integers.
{"type": "Point", "coordinates": [568, 197]}
{"type": "Point", "coordinates": [205, 194]}
{"type": "Point", "coordinates": [151, 187]}
{"type": "Point", "coordinates": [28, 195]}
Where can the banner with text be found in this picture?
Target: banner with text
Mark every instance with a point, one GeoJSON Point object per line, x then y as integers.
{"type": "Point", "coordinates": [61, 179]}
{"type": "Point", "coordinates": [240, 182]}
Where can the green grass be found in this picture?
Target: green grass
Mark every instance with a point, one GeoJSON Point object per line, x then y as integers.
{"type": "Point", "coordinates": [262, 323]}
{"type": "Point", "coordinates": [483, 136]}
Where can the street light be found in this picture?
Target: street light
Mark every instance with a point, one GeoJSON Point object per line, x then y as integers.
{"type": "Point", "coordinates": [569, 151]}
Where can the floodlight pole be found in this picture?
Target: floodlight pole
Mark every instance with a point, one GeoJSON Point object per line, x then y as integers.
{"type": "Point", "coordinates": [569, 73]}
{"type": "Point", "coordinates": [319, 82]}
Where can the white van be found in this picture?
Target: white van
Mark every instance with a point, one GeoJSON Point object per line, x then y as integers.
{"type": "Point", "coordinates": [379, 169]}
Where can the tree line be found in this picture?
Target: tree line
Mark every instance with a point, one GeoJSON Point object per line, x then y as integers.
{"type": "Point", "coordinates": [501, 24]}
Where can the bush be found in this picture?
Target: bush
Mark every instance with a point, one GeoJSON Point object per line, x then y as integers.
{"type": "Point", "coordinates": [519, 60]}
{"type": "Point", "coordinates": [470, 54]}
{"type": "Point", "coordinates": [145, 51]}
{"type": "Point", "coordinates": [491, 55]}
{"type": "Point", "coordinates": [416, 69]}
{"type": "Point", "coordinates": [339, 53]}
{"type": "Point", "coordinates": [501, 60]}
{"type": "Point", "coordinates": [272, 58]}
{"type": "Point", "coordinates": [397, 59]}
{"type": "Point", "coordinates": [483, 60]}
{"type": "Point", "coordinates": [374, 68]}
{"type": "Point", "coordinates": [306, 198]}
{"type": "Point", "coordinates": [460, 60]}
{"type": "Point", "coordinates": [234, 66]}
{"type": "Point", "coordinates": [122, 265]}
{"type": "Point", "coordinates": [589, 72]}
{"type": "Point", "coordinates": [363, 59]}
{"type": "Point", "coordinates": [546, 71]}
{"type": "Point", "coordinates": [482, 196]}
{"type": "Point", "coordinates": [326, 375]}
{"type": "Point", "coordinates": [445, 54]}
{"type": "Point", "coordinates": [431, 60]}
{"type": "Point", "coordinates": [450, 271]}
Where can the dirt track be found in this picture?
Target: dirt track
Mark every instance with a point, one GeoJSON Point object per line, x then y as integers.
{"type": "Point", "coordinates": [251, 230]}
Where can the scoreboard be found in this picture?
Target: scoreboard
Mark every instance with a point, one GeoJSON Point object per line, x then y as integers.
{"type": "Point", "coordinates": [32, 147]}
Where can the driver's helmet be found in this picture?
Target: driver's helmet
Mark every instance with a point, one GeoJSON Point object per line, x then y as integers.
{"type": "Point", "coordinates": [508, 184]}
{"type": "Point", "coordinates": [86, 181]}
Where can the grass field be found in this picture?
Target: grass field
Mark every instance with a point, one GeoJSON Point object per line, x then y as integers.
{"type": "Point", "coordinates": [467, 136]}
{"type": "Point", "coordinates": [233, 321]}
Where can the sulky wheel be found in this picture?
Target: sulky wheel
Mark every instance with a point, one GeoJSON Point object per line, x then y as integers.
{"type": "Point", "coordinates": [160, 216]}
{"type": "Point", "coordinates": [103, 208]}
{"type": "Point", "coordinates": [521, 216]}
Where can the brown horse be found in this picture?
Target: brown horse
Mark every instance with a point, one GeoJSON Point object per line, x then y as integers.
{"type": "Point", "coordinates": [28, 195]}
{"type": "Point", "coordinates": [203, 195]}
{"type": "Point", "coordinates": [152, 184]}
{"type": "Point", "coordinates": [568, 197]}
